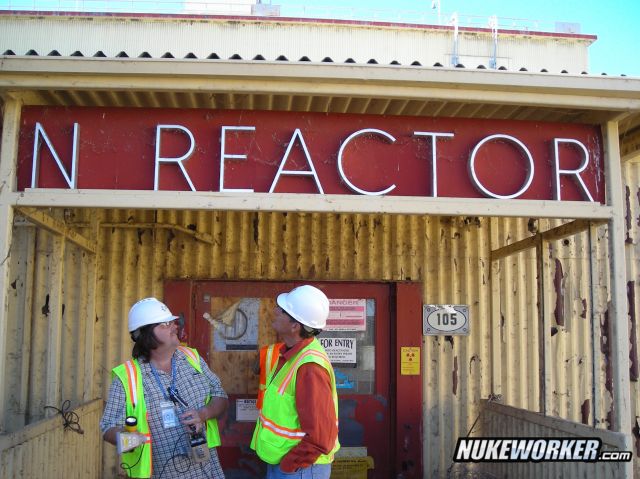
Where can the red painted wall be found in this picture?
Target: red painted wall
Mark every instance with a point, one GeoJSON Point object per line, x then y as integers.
{"type": "Point", "coordinates": [117, 148]}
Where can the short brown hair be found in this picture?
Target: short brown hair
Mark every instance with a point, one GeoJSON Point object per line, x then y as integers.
{"type": "Point", "coordinates": [145, 341]}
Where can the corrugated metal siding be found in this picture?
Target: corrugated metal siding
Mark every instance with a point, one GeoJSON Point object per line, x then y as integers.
{"type": "Point", "coordinates": [631, 172]}
{"type": "Point", "coordinates": [180, 37]}
{"type": "Point", "coordinates": [138, 250]}
{"type": "Point", "coordinates": [46, 326]}
{"type": "Point", "coordinates": [500, 421]}
{"type": "Point", "coordinates": [46, 449]}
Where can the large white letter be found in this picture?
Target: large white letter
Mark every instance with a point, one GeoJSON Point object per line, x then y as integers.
{"type": "Point", "coordinates": [341, 169]}
{"type": "Point", "coordinates": [434, 170]}
{"type": "Point", "coordinates": [72, 180]}
{"type": "Point", "coordinates": [576, 173]}
{"type": "Point", "coordinates": [178, 160]}
{"type": "Point", "coordinates": [474, 177]}
{"type": "Point", "coordinates": [223, 155]}
{"type": "Point", "coordinates": [282, 171]}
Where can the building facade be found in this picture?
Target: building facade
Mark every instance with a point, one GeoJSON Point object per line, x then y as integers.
{"type": "Point", "coordinates": [213, 162]}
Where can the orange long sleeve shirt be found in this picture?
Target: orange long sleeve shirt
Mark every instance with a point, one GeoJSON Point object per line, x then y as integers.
{"type": "Point", "coordinates": [316, 412]}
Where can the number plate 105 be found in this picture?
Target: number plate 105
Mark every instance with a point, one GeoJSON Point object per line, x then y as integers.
{"type": "Point", "coordinates": [445, 319]}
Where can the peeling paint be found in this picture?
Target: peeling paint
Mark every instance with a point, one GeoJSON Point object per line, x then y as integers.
{"type": "Point", "coordinates": [605, 349]}
{"type": "Point", "coordinates": [583, 315]}
{"type": "Point", "coordinates": [455, 376]}
{"type": "Point", "coordinates": [636, 435]}
{"type": "Point", "coordinates": [170, 237]}
{"type": "Point", "coordinates": [558, 313]}
{"type": "Point", "coordinates": [633, 339]}
{"type": "Point", "coordinates": [256, 228]}
{"type": "Point", "coordinates": [627, 215]}
{"type": "Point", "coordinates": [45, 308]}
{"type": "Point", "coordinates": [585, 411]}
{"type": "Point", "coordinates": [475, 357]}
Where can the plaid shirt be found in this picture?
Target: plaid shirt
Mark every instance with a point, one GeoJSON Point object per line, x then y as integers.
{"type": "Point", "coordinates": [170, 446]}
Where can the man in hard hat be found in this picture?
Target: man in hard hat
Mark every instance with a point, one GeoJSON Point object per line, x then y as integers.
{"type": "Point", "coordinates": [297, 427]}
{"type": "Point", "coordinates": [173, 395]}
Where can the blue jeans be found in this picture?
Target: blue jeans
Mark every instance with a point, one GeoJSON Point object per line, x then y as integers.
{"type": "Point", "coordinates": [317, 471]}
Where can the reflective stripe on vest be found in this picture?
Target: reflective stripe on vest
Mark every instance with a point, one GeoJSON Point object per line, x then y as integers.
{"type": "Point", "coordinates": [295, 365]}
{"type": "Point", "coordinates": [278, 427]}
{"type": "Point", "coordinates": [131, 379]}
{"type": "Point", "coordinates": [269, 356]}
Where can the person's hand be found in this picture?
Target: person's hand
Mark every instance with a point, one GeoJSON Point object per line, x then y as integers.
{"type": "Point", "coordinates": [191, 419]}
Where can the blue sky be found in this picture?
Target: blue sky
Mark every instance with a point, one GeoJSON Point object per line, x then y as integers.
{"type": "Point", "coordinates": [614, 22]}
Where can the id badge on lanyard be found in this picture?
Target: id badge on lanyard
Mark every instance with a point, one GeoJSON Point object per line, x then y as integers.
{"type": "Point", "coordinates": [169, 416]}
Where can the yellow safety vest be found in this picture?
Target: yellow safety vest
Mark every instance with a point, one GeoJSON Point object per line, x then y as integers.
{"type": "Point", "coordinates": [278, 427]}
{"type": "Point", "coordinates": [140, 464]}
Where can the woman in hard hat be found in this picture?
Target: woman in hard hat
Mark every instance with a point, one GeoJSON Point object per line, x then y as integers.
{"type": "Point", "coordinates": [297, 428]}
{"type": "Point", "coordinates": [173, 396]}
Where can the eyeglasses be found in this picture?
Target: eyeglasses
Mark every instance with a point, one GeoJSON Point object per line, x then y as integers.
{"type": "Point", "coordinates": [166, 324]}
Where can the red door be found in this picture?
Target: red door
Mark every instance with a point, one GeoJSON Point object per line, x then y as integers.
{"type": "Point", "coordinates": [229, 321]}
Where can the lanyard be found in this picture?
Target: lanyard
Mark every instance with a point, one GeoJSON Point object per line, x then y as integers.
{"type": "Point", "coordinates": [173, 377]}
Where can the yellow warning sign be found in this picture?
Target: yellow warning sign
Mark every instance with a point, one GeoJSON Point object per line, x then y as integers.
{"type": "Point", "coordinates": [351, 467]}
{"type": "Point", "coordinates": [410, 361]}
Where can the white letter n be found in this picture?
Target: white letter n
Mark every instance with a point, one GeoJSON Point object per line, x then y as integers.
{"type": "Point", "coordinates": [72, 180]}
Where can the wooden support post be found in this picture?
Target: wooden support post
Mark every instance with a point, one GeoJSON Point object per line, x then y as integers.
{"type": "Point", "coordinates": [8, 157]}
{"type": "Point", "coordinates": [618, 315]}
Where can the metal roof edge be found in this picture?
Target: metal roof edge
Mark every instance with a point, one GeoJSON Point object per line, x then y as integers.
{"type": "Point", "coordinates": [293, 20]}
{"type": "Point", "coordinates": [330, 72]}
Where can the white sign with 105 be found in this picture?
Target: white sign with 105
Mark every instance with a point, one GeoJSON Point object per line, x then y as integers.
{"type": "Point", "coordinates": [445, 319]}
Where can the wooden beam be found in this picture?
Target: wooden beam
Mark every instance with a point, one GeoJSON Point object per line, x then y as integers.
{"type": "Point", "coordinates": [187, 200]}
{"type": "Point", "coordinates": [43, 220]}
{"type": "Point", "coordinates": [559, 232]}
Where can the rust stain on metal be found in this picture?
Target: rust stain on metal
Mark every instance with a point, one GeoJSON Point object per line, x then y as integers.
{"type": "Point", "coordinates": [455, 375]}
{"type": "Point", "coordinates": [633, 347]}
{"type": "Point", "coordinates": [585, 410]}
{"type": "Point", "coordinates": [583, 315]}
{"type": "Point", "coordinates": [557, 284]}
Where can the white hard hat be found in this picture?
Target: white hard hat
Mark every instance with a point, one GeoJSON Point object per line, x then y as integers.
{"type": "Point", "coordinates": [307, 304]}
{"type": "Point", "coordinates": [148, 311]}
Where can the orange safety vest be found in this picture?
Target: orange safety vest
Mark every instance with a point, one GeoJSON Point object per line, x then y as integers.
{"type": "Point", "coordinates": [268, 360]}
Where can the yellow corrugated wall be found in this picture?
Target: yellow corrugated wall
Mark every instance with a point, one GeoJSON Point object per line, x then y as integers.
{"type": "Point", "coordinates": [137, 250]}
